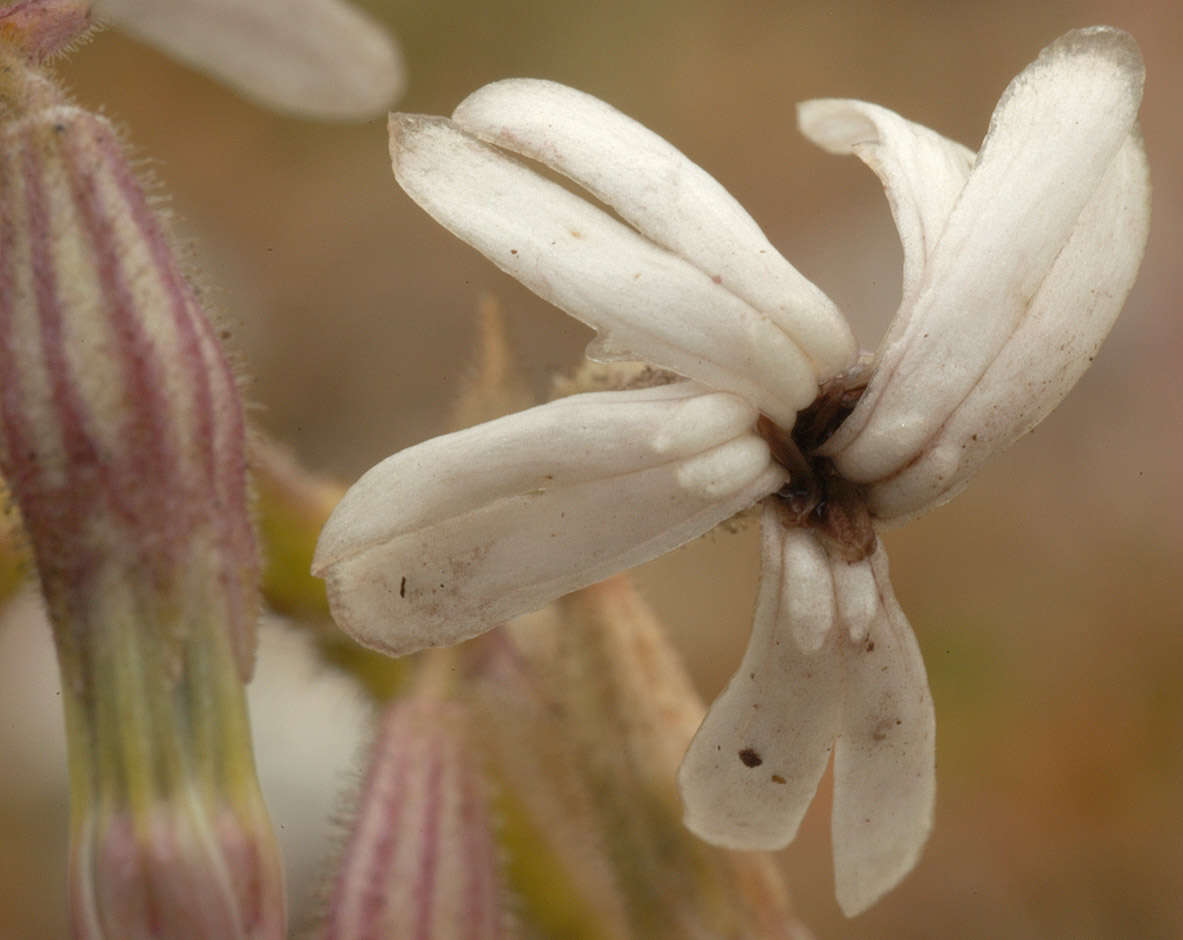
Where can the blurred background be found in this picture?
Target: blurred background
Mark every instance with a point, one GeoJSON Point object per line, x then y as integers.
{"type": "Point", "coordinates": [1046, 598]}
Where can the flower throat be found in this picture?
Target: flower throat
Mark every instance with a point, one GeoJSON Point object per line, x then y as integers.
{"type": "Point", "coordinates": [817, 496]}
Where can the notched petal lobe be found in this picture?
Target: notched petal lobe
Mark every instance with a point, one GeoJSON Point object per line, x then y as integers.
{"type": "Point", "coordinates": [445, 540]}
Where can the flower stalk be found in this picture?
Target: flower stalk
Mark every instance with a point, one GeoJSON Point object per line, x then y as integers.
{"type": "Point", "coordinates": [122, 440]}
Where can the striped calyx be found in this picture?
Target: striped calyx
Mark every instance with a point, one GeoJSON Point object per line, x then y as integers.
{"type": "Point", "coordinates": [422, 860]}
{"type": "Point", "coordinates": [122, 441]}
{"type": "Point", "coordinates": [121, 427]}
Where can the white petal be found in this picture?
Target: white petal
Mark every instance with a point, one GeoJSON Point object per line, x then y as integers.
{"type": "Point", "coordinates": [726, 469]}
{"type": "Point", "coordinates": [858, 598]}
{"type": "Point", "coordinates": [1068, 320]}
{"type": "Point", "coordinates": [700, 422]}
{"type": "Point", "coordinates": [922, 172]}
{"type": "Point", "coordinates": [808, 589]}
{"type": "Point", "coordinates": [647, 302]}
{"type": "Point", "coordinates": [885, 756]}
{"type": "Point", "coordinates": [805, 687]}
{"type": "Point", "coordinates": [671, 200]}
{"type": "Point", "coordinates": [754, 765]}
{"type": "Point", "coordinates": [319, 58]}
{"type": "Point", "coordinates": [445, 540]}
{"type": "Point", "coordinates": [1054, 135]}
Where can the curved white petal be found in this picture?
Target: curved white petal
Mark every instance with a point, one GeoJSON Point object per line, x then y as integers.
{"type": "Point", "coordinates": [885, 756]}
{"type": "Point", "coordinates": [654, 187]}
{"type": "Point", "coordinates": [811, 681]}
{"type": "Point", "coordinates": [1053, 137]}
{"type": "Point", "coordinates": [647, 302]}
{"type": "Point", "coordinates": [922, 172]}
{"type": "Point", "coordinates": [319, 58]}
{"type": "Point", "coordinates": [1068, 320]}
{"type": "Point", "coordinates": [858, 598]}
{"type": "Point", "coordinates": [754, 765]}
{"type": "Point", "coordinates": [446, 539]}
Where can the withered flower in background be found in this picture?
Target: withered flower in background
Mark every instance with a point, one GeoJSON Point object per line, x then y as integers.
{"type": "Point", "coordinates": [122, 442]}
{"type": "Point", "coordinates": [1017, 262]}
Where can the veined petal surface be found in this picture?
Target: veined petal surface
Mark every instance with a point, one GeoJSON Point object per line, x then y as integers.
{"type": "Point", "coordinates": [646, 302]}
{"type": "Point", "coordinates": [1068, 319]}
{"type": "Point", "coordinates": [1055, 133]}
{"type": "Point", "coordinates": [449, 538]}
{"type": "Point", "coordinates": [665, 196]}
{"type": "Point", "coordinates": [318, 58]}
{"type": "Point", "coordinates": [811, 682]}
{"type": "Point", "coordinates": [922, 172]}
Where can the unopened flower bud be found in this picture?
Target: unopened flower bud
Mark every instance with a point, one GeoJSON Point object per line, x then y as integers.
{"type": "Point", "coordinates": [122, 441]}
{"type": "Point", "coordinates": [174, 870]}
{"type": "Point", "coordinates": [421, 860]}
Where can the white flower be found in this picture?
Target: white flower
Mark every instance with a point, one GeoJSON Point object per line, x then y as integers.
{"type": "Point", "coordinates": [317, 58]}
{"type": "Point", "coordinates": [1017, 262]}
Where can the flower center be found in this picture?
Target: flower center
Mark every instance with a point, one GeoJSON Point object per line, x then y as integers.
{"type": "Point", "coordinates": [817, 496]}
